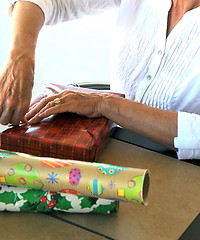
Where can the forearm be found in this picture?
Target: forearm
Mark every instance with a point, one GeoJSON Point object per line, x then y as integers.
{"type": "Point", "coordinates": [156, 124]}
{"type": "Point", "coordinates": [27, 20]}
{"type": "Point", "coordinates": [16, 78]}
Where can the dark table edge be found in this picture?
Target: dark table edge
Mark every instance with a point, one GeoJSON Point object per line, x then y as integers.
{"type": "Point", "coordinates": [138, 140]}
{"type": "Point", "coordinates": [193, 231]}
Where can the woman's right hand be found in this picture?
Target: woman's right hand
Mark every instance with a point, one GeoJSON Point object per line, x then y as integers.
{"type": "Point", "coordinates": [16, 78]}
{"type": "Point", "coordinates": [16, 83]}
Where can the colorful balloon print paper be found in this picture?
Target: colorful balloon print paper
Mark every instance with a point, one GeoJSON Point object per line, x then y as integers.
{"type": "Point", "coordinates": [19, 199]}
{"type": "Point", "coordinates": [77, 177]}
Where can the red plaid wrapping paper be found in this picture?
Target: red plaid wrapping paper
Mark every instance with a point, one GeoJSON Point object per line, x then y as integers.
{"type": "Point", "coordinates": [66, 136]}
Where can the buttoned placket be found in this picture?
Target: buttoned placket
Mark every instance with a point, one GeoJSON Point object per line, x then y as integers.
{"type": "Point", "coordinates": [155, 62]}
{"type": "Point", "coordinates": [151, 72]}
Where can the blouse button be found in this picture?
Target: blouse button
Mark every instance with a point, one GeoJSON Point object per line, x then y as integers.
{"type": "Point", "coordinates": [148, 77]}
{"type": "Point", "coordinates": [159, 52]}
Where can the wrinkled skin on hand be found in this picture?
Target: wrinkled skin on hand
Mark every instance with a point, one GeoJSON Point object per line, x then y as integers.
{"type": "Point", "coordinates": [82, 103]}
{"type": "Point", "coordinates": [16, 83]}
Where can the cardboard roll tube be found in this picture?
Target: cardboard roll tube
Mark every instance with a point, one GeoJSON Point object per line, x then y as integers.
{"type": "Point", "coordinates": [82, 178]}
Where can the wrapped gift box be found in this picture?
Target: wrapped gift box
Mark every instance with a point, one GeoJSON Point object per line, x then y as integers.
{"type": "Point", "coordinates": [66, 136]}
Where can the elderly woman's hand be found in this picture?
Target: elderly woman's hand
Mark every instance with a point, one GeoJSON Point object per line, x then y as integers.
{"type": "Point", "coordinates": [16, 82]}
{"type": "Point", "coordinates": [82, 103]}
{"type": "Point", "coordinates": [16, 79]}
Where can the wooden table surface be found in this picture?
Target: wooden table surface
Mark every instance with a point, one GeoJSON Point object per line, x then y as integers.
{"type": "Point", "coordinates": [173, 203]}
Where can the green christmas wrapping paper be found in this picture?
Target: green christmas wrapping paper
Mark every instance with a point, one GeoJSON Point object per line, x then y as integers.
{"type": "Point", "coordinates": [77, 177]}
{"type": "Point", "coordinates": [18, 199]}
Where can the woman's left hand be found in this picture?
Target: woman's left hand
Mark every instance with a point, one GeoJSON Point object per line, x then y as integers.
{"type": "Point", "coordinates": [82, 103]}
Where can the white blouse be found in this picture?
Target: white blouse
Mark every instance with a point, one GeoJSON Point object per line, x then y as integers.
{"type": "Point", "coordinates": [148, 67]}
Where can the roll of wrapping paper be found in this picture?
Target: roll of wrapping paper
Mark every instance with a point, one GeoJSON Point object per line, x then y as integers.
{"type": "Point", "coordinates": [81, 178]}
{"type": "Point", "coordinates": [19, 199]}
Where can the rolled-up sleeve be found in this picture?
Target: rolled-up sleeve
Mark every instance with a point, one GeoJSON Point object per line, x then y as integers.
{"type": "Point", "coordinates": [188, 140]}
{"type": "Point", "coordinates": [64, 10]}
{"type": "Point", "coordinates": [43, 4]}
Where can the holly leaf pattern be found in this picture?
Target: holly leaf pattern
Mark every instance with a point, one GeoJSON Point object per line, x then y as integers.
{"type": "Point", "coordinates": [43, 207]}
{"type": "Point", "coordinates": [63, 204]}
{"type": "Point", "coordinates": [88, 202]}
{"type": "Point", "coordinates": [33, 198]}
{"type": "Point", "coordinates": [37, 207]}
{"type": "Point", "coordinates": [8, 197]}
{"type": "Point", "coordinates": [105, 208]}
{"type": "Point", "coordinates": [36, 200]}
{"type": "Point", "coordinates": [27, 207]}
